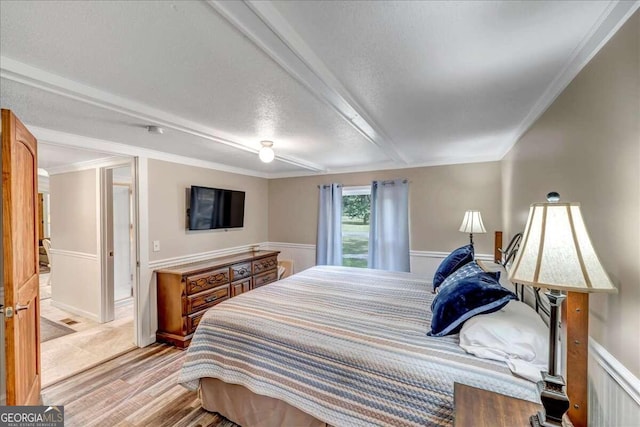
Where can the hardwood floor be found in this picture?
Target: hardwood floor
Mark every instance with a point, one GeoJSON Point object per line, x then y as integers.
{"type": "Point", "coordinates": [136, 389]}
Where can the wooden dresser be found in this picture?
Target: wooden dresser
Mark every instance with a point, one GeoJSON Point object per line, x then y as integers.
{"type": "Point", "coordinates": [185, 292]}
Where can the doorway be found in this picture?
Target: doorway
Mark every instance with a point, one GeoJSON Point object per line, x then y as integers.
{"type": "Point", "coordinates": [73, 340]}
{"type": "Point", "coordinates": [122, 229]}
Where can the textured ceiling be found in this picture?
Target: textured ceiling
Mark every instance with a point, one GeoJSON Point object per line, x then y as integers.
{"type": "Point", "coordinates": [336, 85]}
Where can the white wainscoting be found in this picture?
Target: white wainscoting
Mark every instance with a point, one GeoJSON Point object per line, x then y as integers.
{"type": "Point", "coordinates": [75, 283]}
{"type": "Point", "coordinates": [304, 256]}
{"type": "Point", "coordinates": [614, 392]}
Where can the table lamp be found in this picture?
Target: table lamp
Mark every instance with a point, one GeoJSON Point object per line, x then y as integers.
{"type": "Point", "coordinates": [556, 253]}
{"type": "Point", "coordinates": [472, 223]}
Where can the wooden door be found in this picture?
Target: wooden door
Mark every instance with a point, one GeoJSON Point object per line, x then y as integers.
{"type": "Point", "coordinates": [20, 262]}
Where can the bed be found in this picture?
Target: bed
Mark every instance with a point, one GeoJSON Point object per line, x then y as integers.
{"type": "Point", "coordinates": [335, 346]}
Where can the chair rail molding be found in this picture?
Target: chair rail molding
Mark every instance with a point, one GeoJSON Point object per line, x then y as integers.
{"type": "Point", "coordinates": [74, 254]}
{"type": "Point", "coordinates": [200, 256]}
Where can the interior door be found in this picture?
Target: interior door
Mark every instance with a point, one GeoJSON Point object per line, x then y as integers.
{"type": "Point", "coordinates": [20, 262]}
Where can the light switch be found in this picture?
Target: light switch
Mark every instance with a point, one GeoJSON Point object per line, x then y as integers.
{"type": "Point", "coordinates": [156, 246]}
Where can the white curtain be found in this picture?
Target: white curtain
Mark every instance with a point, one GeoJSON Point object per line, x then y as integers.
{"type": "Point", "coordinates": [389, 230]}
{"type": "Point", "coordinates": [329, 246]}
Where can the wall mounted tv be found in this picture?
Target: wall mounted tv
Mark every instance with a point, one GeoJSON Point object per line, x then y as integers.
{"type": "Point", "coordinates": [211, 208]}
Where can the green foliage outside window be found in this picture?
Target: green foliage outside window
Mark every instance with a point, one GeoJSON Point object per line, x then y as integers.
{"type": "Point", "coordinates": [357, 207]}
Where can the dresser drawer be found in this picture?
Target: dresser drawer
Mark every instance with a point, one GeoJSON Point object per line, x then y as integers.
{"type": "Point", "coordinates": [193, 320]}
{"type": "Point", "coordinates": [205, 299]}
{"type": "Point", "coordinates": [241, 287]}
{"type": "Point", "coordinates": [265, 278]}
{"type": "Point", "coordinates": [240, 271]}
{"type": "Point", "coordinates": [265, 264]}
{"type": "Point", "coordinates": [208, 280]}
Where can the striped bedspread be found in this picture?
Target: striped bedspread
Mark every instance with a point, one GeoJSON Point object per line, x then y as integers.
{"type": "Point", "coordinates": [345, 345]}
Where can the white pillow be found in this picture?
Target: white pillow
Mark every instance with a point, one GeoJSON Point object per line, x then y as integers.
{"type": "Point", "coordinates": [514, 334]}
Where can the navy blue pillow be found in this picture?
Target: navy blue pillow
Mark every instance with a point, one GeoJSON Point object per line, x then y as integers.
{"type": "Point", "coordinates": [457, 303]}
{"type": "Point", "coordinates": [469, 269]}
{"type": "Point", "coordinates": [451, 263]}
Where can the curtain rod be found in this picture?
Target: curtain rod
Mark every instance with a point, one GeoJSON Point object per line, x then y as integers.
{"type": "Point", "coordinates": [391, 181]}
{"type": "Point", "coordinates": [387, 182]}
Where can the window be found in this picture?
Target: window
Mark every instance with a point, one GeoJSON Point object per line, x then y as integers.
{"type": "Point", "coordinates": [356, 213]}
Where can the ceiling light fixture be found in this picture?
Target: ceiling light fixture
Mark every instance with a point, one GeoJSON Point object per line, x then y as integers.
{"type": "Point", "coordinates": [156, 130]}
{"type": "Point", "coordinates": [266, 153]}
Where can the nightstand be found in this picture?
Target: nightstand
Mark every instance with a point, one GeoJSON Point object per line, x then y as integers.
{"type": "Point", "coordinates": [475, 407]}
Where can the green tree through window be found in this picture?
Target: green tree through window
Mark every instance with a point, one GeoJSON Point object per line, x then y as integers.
{"type": "Point", "coordinates": [356, 213]}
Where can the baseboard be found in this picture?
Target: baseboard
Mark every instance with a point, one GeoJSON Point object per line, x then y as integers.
{"type": "Point", "coordinates": [75, 310]}
{"type": "Point", "coordinates": [150, 340]}
{"type": "Point", "coordinates": [123, 302]}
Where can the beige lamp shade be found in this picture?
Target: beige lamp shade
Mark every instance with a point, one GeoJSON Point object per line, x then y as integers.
{"type": "Point", "coordinates": [472, 223]}
{"type": "Point", "coordinates": [556, 252]}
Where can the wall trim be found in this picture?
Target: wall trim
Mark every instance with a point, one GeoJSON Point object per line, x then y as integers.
{"type": "Point", "coordinates": [63, 139]}
{"type": "Point", "coordinates": [201, 256]}
{"type": "Point", "coordinates": [74, 310]}
{"type": "Point", "coordinates": [419, 254]}
{"type": "Point", "coordinates": [89, 164]}
{"type": "Point", "coordinates": [289, 245]}
{"type": "Point", "coordinates": [439, 254]}
{"type": "Point", "coordinates": [629, 382]}
{"type": "Point", "coordinates": [74, 254]}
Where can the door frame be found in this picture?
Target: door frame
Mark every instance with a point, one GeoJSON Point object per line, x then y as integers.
{"type": "Point", "coordinates": [105, 241]}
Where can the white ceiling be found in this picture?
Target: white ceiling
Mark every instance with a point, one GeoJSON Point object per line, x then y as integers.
{"type": "Point", "coordinates": [337, 86]}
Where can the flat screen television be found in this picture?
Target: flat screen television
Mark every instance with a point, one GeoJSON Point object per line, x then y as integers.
{"type": "Point", "coordinates": [212, 208]}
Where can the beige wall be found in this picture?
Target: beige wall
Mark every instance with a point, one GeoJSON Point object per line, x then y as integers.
{"type": "Point", "coordinates": [74, 197]}
{"type": "Point", "coordinates": [438, 198]}
{"type": "Point", "coordinates": [167, 210]}
{"type": "Point", "coordinates": [75, 272]}
{"type": "Point", "coordinates": [586, 146]}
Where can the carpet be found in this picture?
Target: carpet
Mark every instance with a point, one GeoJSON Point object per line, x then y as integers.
{"type": "Point", "coordinates": [50, 330]}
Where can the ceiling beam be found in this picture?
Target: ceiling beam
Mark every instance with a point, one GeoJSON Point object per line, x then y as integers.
{"type": "Point", "coordinates": [17, 71]}
{"type": "Point", "coordinates": [261, 22]}
{"type": "Point", "coordinates": [113, 148]}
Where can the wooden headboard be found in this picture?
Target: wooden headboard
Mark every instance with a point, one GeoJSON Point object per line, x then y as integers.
{"type": "Point", "coordinates": [575, 317]}
{"type": "Point", "coordinates": [505, 256]}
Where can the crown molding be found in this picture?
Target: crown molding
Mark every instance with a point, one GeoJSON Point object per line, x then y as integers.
{"type": "Point", "coordinates": [608, 24]}
{"type": "Point", "coordinates": [35, 77]}
{"type": "Point", "coordinates": [261, 22]}
{"type": "Point", "coordinates": [447, 161]}
{"type": "Point", "coordinates": [63, 139]}
{"type": "Point", "coordinates": [89, 164]}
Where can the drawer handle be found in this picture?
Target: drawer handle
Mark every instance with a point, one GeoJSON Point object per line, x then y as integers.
{"type": "Point", "coordinates": [211, 299]}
